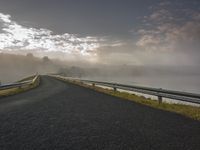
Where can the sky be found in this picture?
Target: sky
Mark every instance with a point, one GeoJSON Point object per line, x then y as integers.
{"type": "Point", "coordinates": [117, 32]}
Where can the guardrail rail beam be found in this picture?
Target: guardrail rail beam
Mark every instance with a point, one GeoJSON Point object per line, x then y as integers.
{"type": "Point", "coordinates": [160, 93]}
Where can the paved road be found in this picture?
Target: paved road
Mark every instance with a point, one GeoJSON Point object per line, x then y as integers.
{"type": "Point", "coordinates": [57, 115]}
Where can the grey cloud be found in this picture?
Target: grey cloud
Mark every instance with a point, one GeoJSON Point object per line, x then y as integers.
{"type": "Point", "coordinates": [169, 32]}
{"type": "Point", "coordinates": [172, 37]}
{"type": "Point", "coordinates": [161, 15]}
{"type": "Point", "coordinates": [165, 3]}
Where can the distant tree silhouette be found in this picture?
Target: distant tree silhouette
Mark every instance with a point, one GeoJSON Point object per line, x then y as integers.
{"type": "Point", "coordinates": [46, 59]}
{"type": "Point", "coordinates": [29, 55]}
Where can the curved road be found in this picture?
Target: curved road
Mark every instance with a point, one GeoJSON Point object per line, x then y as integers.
{"type": "Point", "coordinates": [59, 115]}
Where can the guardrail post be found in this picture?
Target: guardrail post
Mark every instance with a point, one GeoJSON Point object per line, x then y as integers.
{"type": "Point", "coordinates": [115, 89]}
{"type": "Point", "coordinates": [159, 99]}
{"type": "Point", "coordinates": [93, 84]}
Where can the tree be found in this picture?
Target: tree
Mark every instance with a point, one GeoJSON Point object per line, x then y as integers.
{"type": "Point", "coordinates": [29, 55]}
{"type": "Point", "coordinates": [45, 59]}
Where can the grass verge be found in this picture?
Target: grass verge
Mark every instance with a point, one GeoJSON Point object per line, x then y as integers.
{"type": "Point", "coordinates": [13, 91]}
{"type": "Point", "coordinates": [186, 110]}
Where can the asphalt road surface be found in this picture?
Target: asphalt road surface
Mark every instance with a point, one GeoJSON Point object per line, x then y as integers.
{"type": "Point", "coordinates": [59, 115]}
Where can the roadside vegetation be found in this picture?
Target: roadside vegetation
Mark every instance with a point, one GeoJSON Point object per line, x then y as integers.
{"type": "Point", "coordinates": [186, 110]}
{"type": "Point", "coordinates": [13, 91]}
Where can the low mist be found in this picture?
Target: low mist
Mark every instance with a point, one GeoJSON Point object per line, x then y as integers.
{"type": "Point", "coordinates": [15, 67]}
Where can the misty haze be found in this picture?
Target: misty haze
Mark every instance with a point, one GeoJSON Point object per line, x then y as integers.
{"type": "Point", "coordinates": [183, 78]}
{"type": "Point", "coordinates": [160, 49]}
{"type": "Point", "coordinates": [100, 74]}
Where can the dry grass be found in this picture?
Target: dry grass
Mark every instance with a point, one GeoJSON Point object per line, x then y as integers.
{"type": "Point", "coordinates": [186, 110]}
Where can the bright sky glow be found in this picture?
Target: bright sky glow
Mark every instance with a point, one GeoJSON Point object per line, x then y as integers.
{"type": "Point", "coordinates": [16, 36]}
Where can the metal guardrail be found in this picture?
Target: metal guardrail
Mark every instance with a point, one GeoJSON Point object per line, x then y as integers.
{"type": "Point", "coordinates": [160, 93]}
{"type": "Point", "coordinates": [18, 84]}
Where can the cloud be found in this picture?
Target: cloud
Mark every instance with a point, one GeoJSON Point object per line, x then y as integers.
{"type": "Point", "coordinates": [14, 36]}
{"type": "Point", "coordinates": [161, 15]}
{"type": "Point", "coordinates": [165, 3]}
{"type": "Point", "coordinates": [148, 40]}
{"type": "Point", "coordinates": [5, 18]}
{"type": "Point", "coordinates": [169, 27]}
{"type": "Point", "coordinates": [170, 35]}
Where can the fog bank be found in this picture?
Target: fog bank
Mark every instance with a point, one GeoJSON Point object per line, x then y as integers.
{"type": "Point", "coordinates": [14, 67]}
